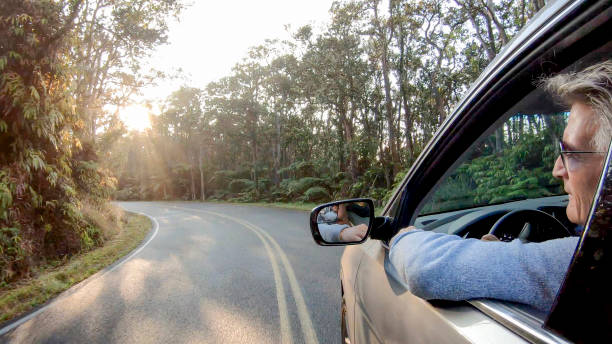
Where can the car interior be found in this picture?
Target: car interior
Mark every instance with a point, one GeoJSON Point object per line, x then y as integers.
{"type": "Point", "coordinates": [460, 205]}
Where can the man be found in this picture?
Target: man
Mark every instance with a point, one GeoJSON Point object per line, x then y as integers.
{"type": "Point", "coordinates": [441, 266]}
{"type": "Point", "coordinates": [334, 225]}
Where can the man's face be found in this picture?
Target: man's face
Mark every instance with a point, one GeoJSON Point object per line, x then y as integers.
{"type": "Point", "coordinates": [582, 175]}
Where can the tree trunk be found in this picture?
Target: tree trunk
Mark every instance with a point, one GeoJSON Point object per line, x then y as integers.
{"type": "Point", "coordinates": [502, 31]}
{"type": "Point", "coordinates": [277, 151]}
{"type": "Point", "coordinates": [347, 131]}
{"type": "Point", "coordinates": [499, 139]}
{"type": "Point", "coordinates": [389, 113]}
{"type": "Point", "coordinates": [193, 190]}
{"type": "Point", "coordinates": [409, 124]}
{"type": "Point", "coordinates": [390, 118]}
{"type": "Point", "coordinates": [253, 118]}
{"type": "Point", "coordinates": [202, 181]}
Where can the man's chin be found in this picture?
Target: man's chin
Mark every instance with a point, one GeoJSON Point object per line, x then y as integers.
{"type": "Point", "coordinates": [572, 214]}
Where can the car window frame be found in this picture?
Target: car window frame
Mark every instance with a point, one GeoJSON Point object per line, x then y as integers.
{"type": "Point", "coordinates": [585, 289]}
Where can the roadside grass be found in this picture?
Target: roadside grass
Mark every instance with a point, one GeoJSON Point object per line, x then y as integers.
{"type": "Point", "coordinates": [51, 280]}
{"type": "Point", "coordinates": [288, 205]}
{"type": "Point", "coordinates": [284, 205]}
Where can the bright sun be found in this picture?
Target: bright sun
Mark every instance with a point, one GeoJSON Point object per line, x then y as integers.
{"type": "Point", "coordinates": [135, 117]}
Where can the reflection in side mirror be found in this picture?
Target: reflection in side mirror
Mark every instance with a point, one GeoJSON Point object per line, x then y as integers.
{"type": "Point", "coordinates": [343, 222]}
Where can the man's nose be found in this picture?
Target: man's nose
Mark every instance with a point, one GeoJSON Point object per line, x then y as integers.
{"type": "Point", "coordinates": [559, 170]}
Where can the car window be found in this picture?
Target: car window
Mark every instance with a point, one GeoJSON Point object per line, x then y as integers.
{"type": "Point", "coordinates": [512, 161]}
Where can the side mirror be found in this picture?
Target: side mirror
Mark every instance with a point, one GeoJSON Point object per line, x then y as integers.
{"type": "Point", "coordinates": [345, 222]}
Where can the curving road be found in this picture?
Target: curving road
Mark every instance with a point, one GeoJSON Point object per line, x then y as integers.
{"type": "Point", "coordinates": [208, 273]}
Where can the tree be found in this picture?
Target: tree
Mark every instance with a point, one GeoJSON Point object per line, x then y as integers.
{"type": "Point", "coordinates": [48, 177]}
{"type": "Point", "coordinates": [183, 118]}
{"type": "Point", "coordinates": [383, 33]}
{"type": "Point", "coordinates": [111, 39]}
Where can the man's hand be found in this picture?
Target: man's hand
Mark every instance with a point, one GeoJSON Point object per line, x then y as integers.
{"type": "Point", "coordinates": [351, 234]}
{"type": "Point", "coordinates": [489, 237]}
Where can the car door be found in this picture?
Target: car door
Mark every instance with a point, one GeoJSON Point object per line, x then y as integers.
{"type": "Point", "coordinates": [384, 310]}
{"type": "Point", "coordinates": [388, 314]}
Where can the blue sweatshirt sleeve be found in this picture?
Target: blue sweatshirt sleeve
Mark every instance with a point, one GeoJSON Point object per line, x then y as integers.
{"type": "Point", "coordinates": [331, 232]}
{"type": "Point", "coordinates": [447, 267]}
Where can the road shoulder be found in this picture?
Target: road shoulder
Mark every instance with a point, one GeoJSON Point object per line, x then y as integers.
{"type": "Point", "coordinates": [29, 295]}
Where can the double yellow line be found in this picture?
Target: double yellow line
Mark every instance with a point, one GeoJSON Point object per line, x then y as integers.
{"type": "Point", "coordinates": [271, 246]}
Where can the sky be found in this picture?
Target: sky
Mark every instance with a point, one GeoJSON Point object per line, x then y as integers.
{"type": "Point", "coordinates": [212, 36]}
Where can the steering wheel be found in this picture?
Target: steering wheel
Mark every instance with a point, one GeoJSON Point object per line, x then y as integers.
{"type": "Point", "coordinates": [528, 225]}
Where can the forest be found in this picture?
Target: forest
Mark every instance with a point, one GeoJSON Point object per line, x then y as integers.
{"type": "Point", "coordinates": [333, 112]}
{"type": "Point", "coordinates": [61, 61]}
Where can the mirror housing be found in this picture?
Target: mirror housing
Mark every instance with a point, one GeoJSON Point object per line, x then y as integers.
{"type": "Point", "coordinates": [345, 222]}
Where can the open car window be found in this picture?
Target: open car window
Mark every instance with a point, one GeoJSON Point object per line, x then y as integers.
{"type": "Point", "coordinates": [511, 162]}
{"type": "Point", "coordinates": [511, 166]}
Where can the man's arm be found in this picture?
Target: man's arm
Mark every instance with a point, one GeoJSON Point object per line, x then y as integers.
{"type": "Point", "coordinates": [447, 267]}
{"type": "Point", "coordinates": [331, 232]}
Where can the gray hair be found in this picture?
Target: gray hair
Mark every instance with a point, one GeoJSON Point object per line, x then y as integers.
{"type": "Point", "coordinates": [593, 87]}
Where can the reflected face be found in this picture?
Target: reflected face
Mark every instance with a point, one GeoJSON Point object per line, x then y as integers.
{"type": "Point", "coordinates": [582, 175]}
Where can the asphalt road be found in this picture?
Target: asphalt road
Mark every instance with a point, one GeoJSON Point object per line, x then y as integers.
{"type": "Point", "coordinates": [210, 273]}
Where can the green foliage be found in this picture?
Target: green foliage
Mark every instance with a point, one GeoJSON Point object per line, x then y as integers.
{"type": "Point", "coordinates": [519, 172]}
{"type": "Point", "coordinates": [47, 173]}
{"type": "Point", "coordinates": [356, 189]}
{"type": "Point", "coordinates": [241, 185]}
{"type": "Point", "coordinates": [396, 183]}
{"type": "Point", "coordinates": [300, 169]}
{"type": "Point", "coordinates": [340, 176]}
{"type": "Point", "coordinates": [300, 186]}
{"type": "Point", "coordinates": [316, 194]}
{"type": "Point", "coordinates": [128, 194]}
{"type": "Point", "coordinates": [6, 197]}
{"type": "Point", "coordinates": [221, 195]}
